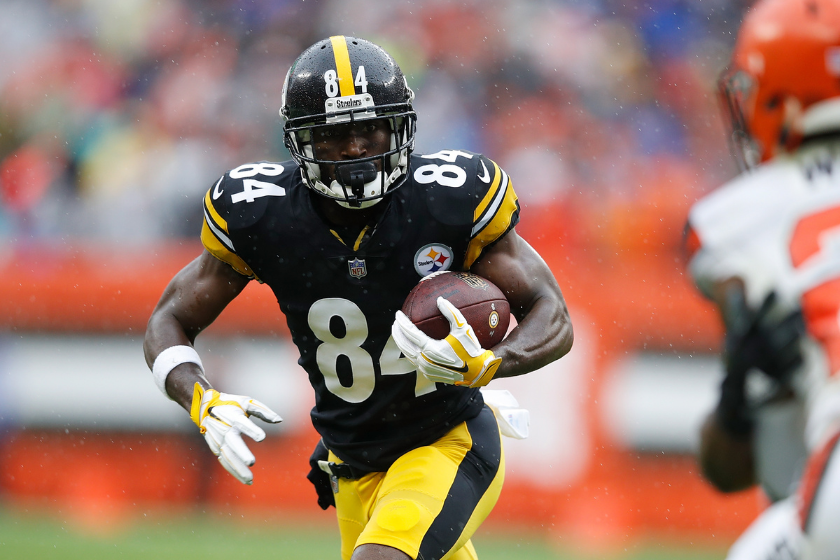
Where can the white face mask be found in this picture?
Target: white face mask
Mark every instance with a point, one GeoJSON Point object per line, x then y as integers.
{"type": "Point", "coordinates": [372, 188]}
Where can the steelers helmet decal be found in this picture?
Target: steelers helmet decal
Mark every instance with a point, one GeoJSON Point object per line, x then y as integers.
{"type": "Point", "coordinates": [342, 80]}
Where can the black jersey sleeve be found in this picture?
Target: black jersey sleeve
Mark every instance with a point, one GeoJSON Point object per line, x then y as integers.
{"type": "Point", "coordinates": [497, 211]}
{"type": "Point", "coordinates": [216, 230]}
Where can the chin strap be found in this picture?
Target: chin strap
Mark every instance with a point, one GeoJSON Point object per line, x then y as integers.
{"type": "Point", "coordinates": [336, 188]}
{"type": "Point", "coordinates": [357, 176]}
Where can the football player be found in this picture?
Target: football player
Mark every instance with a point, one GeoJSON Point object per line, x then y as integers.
{"type": "Point", "coordinates": [764, 248]}
{"type": "Point", "coordinates": [409, 455]}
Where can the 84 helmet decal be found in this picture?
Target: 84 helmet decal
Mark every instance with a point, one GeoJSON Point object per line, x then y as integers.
{"type": "Point", "coordinates": [343, 80]}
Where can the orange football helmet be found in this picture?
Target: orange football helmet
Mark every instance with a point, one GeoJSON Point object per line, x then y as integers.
{"type": "Point", "coordinates": [786, 59]}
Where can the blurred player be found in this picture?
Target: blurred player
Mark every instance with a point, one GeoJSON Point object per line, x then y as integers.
{"type": "Point", "coordinates": [766, 249]}
{"type": "Point", "coordinates": [413, 463]}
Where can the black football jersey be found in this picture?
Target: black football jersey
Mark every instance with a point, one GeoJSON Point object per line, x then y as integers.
{"type": "Point", "coordinates": [339, 295]}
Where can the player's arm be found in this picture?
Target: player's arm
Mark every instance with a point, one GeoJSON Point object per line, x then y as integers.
{"type": "Point", "coordinates": [725, 453]}
{"type": "Point", "coordinates": [543, 333]}
{"type": "Point", "coordinates": [726, 449]}
{"type": "Point", "coordinates": [544, 329]}
{"type": "Point", "coordinates": [496, 252]}
{"type": "Point", "coordinates": [189, 304]}
{"type": "Point", "coordinates": [755, 339]}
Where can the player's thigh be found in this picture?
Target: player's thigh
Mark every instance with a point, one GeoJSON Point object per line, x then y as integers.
{"type": "Point", "coordinates": [432, 499]}
{"type": "Point", "coordinates": [774, 535]}
{"type": "Point", "coordinates": [466, 552]}
{"type": "Point", "coordinates": [820, 503]}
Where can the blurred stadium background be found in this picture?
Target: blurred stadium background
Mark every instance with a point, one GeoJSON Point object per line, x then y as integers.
{"type": "Point", "coordinates": [115, 117]}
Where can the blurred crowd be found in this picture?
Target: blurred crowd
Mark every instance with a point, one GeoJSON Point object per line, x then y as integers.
{"type": "Point", "coordinates": [115, 117]}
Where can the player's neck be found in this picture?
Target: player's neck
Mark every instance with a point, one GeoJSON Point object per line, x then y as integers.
{"type": "Point", "coordinates": [337, 215]}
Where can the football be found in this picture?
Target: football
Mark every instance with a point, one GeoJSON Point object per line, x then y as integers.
{"type": "Point", "coordinates": [483, 304]}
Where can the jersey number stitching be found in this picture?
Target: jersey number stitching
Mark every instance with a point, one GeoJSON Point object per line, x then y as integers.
{"type": "Point", "coordinates": [253, 189]}
{"type": "Point", "coordinates": [445, 175]}
{"type": "Point", "coordinates": [350, 346]}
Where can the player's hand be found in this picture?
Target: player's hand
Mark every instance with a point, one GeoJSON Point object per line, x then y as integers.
{"type": "Point", "coordinates": [223, 418]}
{"type": "Point", "coordinates": [756, 339]}
{"type": "Point", "coordinates": [457, 359]}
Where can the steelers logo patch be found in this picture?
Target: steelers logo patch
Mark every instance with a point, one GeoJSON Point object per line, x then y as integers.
{"type": "Point", "coordinates": [433, 257]}
{"type": "Point", "coordinates": [494, 319]}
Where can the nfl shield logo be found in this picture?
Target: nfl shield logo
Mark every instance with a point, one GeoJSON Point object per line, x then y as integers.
{"type": "Point", "coordinates": [357, 268]}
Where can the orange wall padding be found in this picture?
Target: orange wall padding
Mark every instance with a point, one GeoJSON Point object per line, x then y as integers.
{"type": "Point", "coordinates": [95, 288]}
{"type": "Point", "coordinates": [636, 296]}
{"type": "Point", "coordinates": [113, 476]}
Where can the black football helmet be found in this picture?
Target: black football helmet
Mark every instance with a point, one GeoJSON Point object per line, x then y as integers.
{"type": "Point", "coordinates": [341, 80]}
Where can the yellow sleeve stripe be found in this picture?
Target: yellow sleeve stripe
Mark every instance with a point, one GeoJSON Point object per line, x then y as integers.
{"type": "Point", "coordinates": [218, 250]}
{"type": "Point", "coordinates": [342, 65]}
{"type": "Point", "coordinates": [220, 236]}
{"type": "Point", "coordinates": [497, 221]}
{"type": "Point", "coordinates": [490, 193]}
{"type": "Point", "coordinates": [208, 207]}
{"type": "Point", "coordinates": [492, 202]}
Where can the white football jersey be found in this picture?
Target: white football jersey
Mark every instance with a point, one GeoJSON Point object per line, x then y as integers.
{"type": "Point", "coordinates": [778, 229]}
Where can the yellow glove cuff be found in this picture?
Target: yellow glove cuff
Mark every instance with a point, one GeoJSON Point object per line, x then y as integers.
{"type": "Point", "coordinates": [490, 365]}
{"type": "Point", "coordinates": [477, 371]}
{"type": "Point", "coordinates": [203, 401]}
{"type": "Point", "coordinates": [195, 407]}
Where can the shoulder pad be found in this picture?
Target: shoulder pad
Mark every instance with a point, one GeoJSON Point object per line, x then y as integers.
{"type": "Point", "coordinates": [476, 184]}
{"type": "Point", "coordinates": [739, 206]}
{"type": "Point", "coordinates": [738, 230]}
{"type": "Point", "coordinates": [238, 200]}
{"type": "Point", "coordinates": [497, 211]}
{"type": "Point", "coordinates": [241, 196]}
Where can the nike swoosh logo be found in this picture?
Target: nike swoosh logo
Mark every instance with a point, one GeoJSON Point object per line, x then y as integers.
{"type": "Point", "coordinates": [486, 177]}
{"type": "Point", "coordinates": [217, 192]}
{"type": "Point", "coordinates": [463, 369]}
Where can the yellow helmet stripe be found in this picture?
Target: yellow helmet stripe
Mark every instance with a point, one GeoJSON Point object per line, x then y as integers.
{"type": "Point", "coordinates": [342, 65]}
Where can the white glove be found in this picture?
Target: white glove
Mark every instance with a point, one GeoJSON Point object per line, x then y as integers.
{"type": "Point", "coordinates": [222, 418]}
{"type": "Point", "coordinates": [457, 359]}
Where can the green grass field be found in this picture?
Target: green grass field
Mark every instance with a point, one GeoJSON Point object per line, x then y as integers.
{"type": "Point", "coordinates": [202, 536]}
